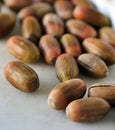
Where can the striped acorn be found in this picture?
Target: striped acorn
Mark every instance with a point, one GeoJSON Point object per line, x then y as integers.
{"type": "Point", "coordinates": [93, 65]}
{"type": "Point", "coordinates": [66, 67]}
{"type": "Point", "coordinates": [103, 90]}
{"type": "Point", "coordinates": [21, 76]}
{"type": "Point", "coordinates": [65, 92]}
{"type": "Point", "coordinates": [100, 48]}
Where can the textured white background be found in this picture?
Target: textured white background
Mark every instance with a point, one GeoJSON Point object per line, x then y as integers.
{"type": "Point", "coordinates": [23, 111]}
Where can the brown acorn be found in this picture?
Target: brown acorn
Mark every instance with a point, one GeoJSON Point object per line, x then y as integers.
{"type": "Point", "coordinates": [37, 9]}
{"type": "Point", "coordinates": [17, 5]}
{"type": "Point", "coordinates": [53, 24]}
{"type": "Point", "coordinates": [21, 76]}
{"type": "Point", "coordinates": [31, 29]}
{"type": "Point", "coordinates": [84, 3]}
{"type": "Point", "coordinates": [7, 23]}
{"type": "Point", "coordinates": [80, 29]}
{"type": "Point", "coordinates": [66, 67]}
{"type": "Point", "coordinates": [103, 90]}
{"type": "Point", "coordinates": [108, 35]}
{"type": "Point", "coordinates": [91, 16]}
{"type": "Point", "coordinates": [100, 48]}
{"type": "Point", "coordinates": [23, 49]}
{"type": "Point", "coordinates": [64, 9]}
{"type": "Point", "coordinates": [62, 94]}
{"type": "Point", "coordinates": [93, 65]}
{"type": "Point", "coordinates": [50, 48]}
{"type": "Point", "coordinates": [87, 109]}
{"type": "Point", "coordinates": [71, 45]}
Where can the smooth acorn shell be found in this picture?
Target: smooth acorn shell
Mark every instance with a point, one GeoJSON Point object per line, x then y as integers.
{"type": "Point", "coordinates": [87, 109]}
{"type": "Point", "coordinates": [37, 9]}
{"type": "Point", "coordinates": [100, 48]}
{"type": "Point", "coordinates": [64, 9]}
{"type": "Point", "coordinates": [103, 90]}
{"type": "Point", "coordinates": [31, 29]}
{"type": "Point", "coordinates": [50, 48]}
{"type": "Point", "coordinates": [21, 76]}
{"type": "Point", "coordinates": [80, 29]}
{"type": "Point", "coordinates": [91, 16]}
{"type": "Point", "coordinates": [62, 94]}
{"type": "Point", "coordinates": [23, 49]}
{"type": "Point", "coordinates": [7, 23]}
{"type": "Point", "coordinates": [66, 67]}
{"type": "Point", "coordinates": [71, 45]}
{"type": "Point", "coordinates": [108, 35]}
{"type": "Point", "coordinates": [93, 65]}
{"type": "Point", "coordinates": [53, 24]}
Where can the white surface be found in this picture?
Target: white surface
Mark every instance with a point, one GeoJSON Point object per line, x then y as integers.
{"type": "Point", "coordinates": [23, 111]}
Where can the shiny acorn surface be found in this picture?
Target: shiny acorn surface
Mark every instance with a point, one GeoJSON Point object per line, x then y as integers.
{"type": "Point", "coordinates": [53, 24]}
{"type": "Point", "coordinates": [80, 29]}
{"type": "Point", "coordinates": [31, 29]}
{"type": "Point", "coordinates": [71, 44]}
{"type": "Point", "coordinates": [87, 109]}
{"type": "Point", "coordinates": [100, 48]}
{"type": "Point", "coordinates": [93, 65]}
{"type": "Point", "coordinates": [64, 9]}
{"type": "Point", "coordinates": [103, 90]}
{"type": "Point", "coordinates": [65, 92]}
{"type": "Point", "coordinates": [21, 76]}
{"type": "Point", "coordinates": [66, 67]}
{"type": "Point", "coordinates": [23, 49]}
{"type": "Point", "coordinates": [7, 23]}
{"type": "Point", "coordinates": [91, 16]}
{"type": "Point", "coordinates": [50, 48]}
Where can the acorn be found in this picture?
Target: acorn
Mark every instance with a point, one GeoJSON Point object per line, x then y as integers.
{"type": "Point", "coordinates": [31, 29]}
{"type": "Point", "coordinates": [50, 48]}
{"type": "Point", "coordinates": [108, 35]}
{"type": "Point", "coordinates": [80, 29]}
{"type": "Point", "coordinates": [93, 65]}
{"type": "Point", "coordinates": [71, 45]}
{"type": "Point", "coordinates": [21, 76]}
{"type": "Point", "coordinates": [23, 49]}
{"type": "Point", "coordinates": [62, 94]}
{"type": "Point", "coordinates": [100, 48]}
{"type": "Point", "coordinates": [66, 67]}
{"type": "Point", "coordinates": [53, 24]}
{"type": "Point", "coordinates": [91, 16]}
